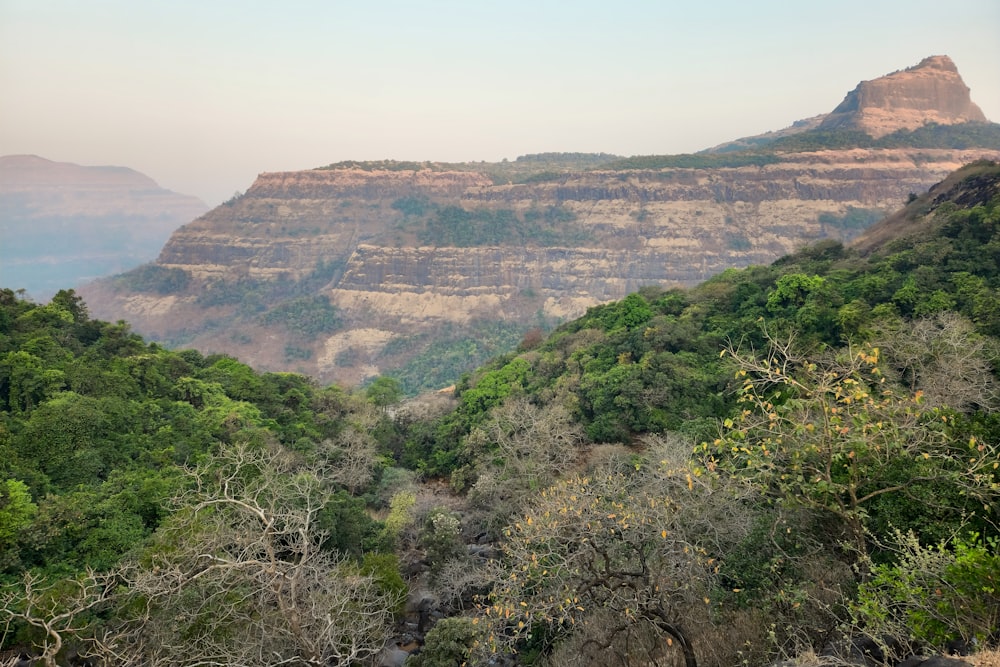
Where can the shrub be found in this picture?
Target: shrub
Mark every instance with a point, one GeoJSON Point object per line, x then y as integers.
{"type": "Point", "coordinates": [935, 595]}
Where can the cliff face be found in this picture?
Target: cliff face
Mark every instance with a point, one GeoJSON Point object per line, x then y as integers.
{"type": "Point", "coordinates": [62, 223]}
{"type": "Point", "coordinates": [363, 240]}
{"type": "Point", "coordinates": [930, 92]}
{"type": "Point", "coordinates": [420, 258]}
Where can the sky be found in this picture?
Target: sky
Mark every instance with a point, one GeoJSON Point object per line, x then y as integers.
{"type": "Point", "coordinates": [203, 95]}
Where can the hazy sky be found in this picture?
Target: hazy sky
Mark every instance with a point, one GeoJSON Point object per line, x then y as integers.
{"type": "Point", "coordinates": [202, 95]}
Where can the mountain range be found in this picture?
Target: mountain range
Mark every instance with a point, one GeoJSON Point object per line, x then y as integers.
{"type": "Point", "coordinates": [423, 270]}
{"type": "Point", "coordinates": [62, 223]}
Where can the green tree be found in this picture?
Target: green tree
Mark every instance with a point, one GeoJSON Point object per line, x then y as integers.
{"type": "Point", "coordinates": [16, 513]}
{"type": "Point", "coordinates": [384, 391]}
{"type": "Point", "coordinates": [934, 595]}
{"type": "Point", "coordinates": [832, 434]}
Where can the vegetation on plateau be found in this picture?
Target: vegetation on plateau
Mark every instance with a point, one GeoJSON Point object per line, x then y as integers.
{"type": "Point", "coordinates": [761, 151]}
{"type": "Point", "coordinates": [728, 475]}
{"type": "Point", "coordinates": [463, 228]}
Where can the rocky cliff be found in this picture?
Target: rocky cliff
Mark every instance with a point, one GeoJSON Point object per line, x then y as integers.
{"type": "Point", "coordinates": [356, 270]}
{"type": "Point", "coordinates": [361, 239]}
{"type": "Point", "coordinates": [63, 223]}
{"type": "Point", "coordinates": [930, 92]}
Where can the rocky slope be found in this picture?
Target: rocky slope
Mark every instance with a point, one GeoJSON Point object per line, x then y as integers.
{"type": "Point", "coordinates": [417, 256]}
{"type": "Point", "coordinates": [63, 223]}
{"type": "Point", "coordinates": [930, 92]}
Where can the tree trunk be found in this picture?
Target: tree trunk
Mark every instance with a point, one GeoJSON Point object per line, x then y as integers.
{"type": "Point", "coordinates": [678, 634]}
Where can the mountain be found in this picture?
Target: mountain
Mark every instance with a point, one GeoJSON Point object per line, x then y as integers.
{"type": "Point", "coordinates": [422, 270]}
{"type": "Point", "coordinates": [855, 397]}
{"type": "Point", "coordinates": [63, 223]}
{"type": "Point", "coordinates": [927, 95]}
{"type": "Point", "coordinates": [930, 92]}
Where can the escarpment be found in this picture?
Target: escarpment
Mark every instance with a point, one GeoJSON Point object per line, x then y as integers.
{"type": "Point", "coordinates": [402, 254]}
{"type": "Point", "coordinates": [360, 269]}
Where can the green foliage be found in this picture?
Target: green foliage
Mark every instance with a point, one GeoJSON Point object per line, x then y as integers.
{"type": "Point", "coordinates": [441, 538]}
{"type": "Point", "coordinates": [450, 642]}
{"type": "Point", "coordinates": [155, 279]}
{"type": "Point", "coordinates": [959, 136]}
{"type": "Point", "coordinates": [766, 562]}
{"type": "Point", "coordinates": [456, 226]}
{"type": "Point", "coordinates": [524, 169]}
{"type": "Point", "coordinates": [94, 421]}
{"type": "Point", "coordinates": [307, 316]}
{"type": "Point", "coordinates": [452, 352]}
{"type": "Point", "coordinates": [693, 161]}
{"type": "Point", "coordinates": [384, 569]}
{"type": "Point", "coordinates": [349, 529]}
{"type": "Point", "coordinates": [835, 436]}
{"type": "Point", "coordinates": [400, 513]}
{"type": "Point", "coordinates": [16, 511]}
{"type": "Point", "coordinates": [763, 152]}
{"type": "Point", "coordinates": [384, 391]}
{"type": "Point", "coordinates": [294, 352]}
{"type": "Point", "coordinates": [935, 595]}
{"type": "Point", "coordinates": [853, 220]}
{"type": "Point", "coordinates": [384, 165]}
{"type": "Point", "coordinates": [413, 205]}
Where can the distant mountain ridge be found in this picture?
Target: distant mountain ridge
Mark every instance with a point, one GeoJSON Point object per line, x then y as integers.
{"type": "Point", "coordinates": [409, 264]}
{"type": "Point", "coordinates": [62, 223]}
{"type": "Point", "coordinates": [930, 93]}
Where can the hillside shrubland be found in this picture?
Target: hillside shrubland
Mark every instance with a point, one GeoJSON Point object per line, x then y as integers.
{"type": "Point", "coordinates": [742, 472]}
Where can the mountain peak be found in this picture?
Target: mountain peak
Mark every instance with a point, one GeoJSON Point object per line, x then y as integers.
{"type": "Point", "coordinates": [935, 62]}
{"type": "Point", "coordinates": [931, 91]}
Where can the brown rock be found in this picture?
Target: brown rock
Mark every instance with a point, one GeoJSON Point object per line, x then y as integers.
{"type": "Point", "coordinates": [930, 92]}
{"type": "Point", "coordinates": [670, 227]}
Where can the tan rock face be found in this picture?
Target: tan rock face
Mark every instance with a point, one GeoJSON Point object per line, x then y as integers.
{"type": "Point", "coordinates": [930, 92]}
{"type": "Point", "coordinates": [361, 238]}
{"type": "Point", "coordinates": [671, 227]}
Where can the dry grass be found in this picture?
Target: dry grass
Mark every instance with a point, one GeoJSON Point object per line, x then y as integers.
{"type": "Point", "coordinates": [986, 659]}
{"type": "Point", "coordinates": [981, 659]}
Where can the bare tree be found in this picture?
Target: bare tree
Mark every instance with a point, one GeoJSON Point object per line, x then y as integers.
{"type": "Point", "coordinates": [944, 358]}
{"type": "Point", "coordinates": [57, 608]}
{"type": "Point", "coordinates": [237, 576]}
{"type": "Point", "coordinates": [352, 457]}
{"type": "Point", "coordinates": [625, 554]}
{"type": "Point", "coordinates": [521, 449]}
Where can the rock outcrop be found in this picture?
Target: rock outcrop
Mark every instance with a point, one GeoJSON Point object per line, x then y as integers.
{"type": "Point", "coordinates": [930, 92]}
{"type": "Point", "coordinates": [62, 223]}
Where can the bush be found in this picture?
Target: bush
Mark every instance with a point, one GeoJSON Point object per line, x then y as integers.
{"type": "Point", "coordinates": [152, 278]}
{"type": "Point", "coordinates": [449, 642]}
{"type": "Point", "coordinates": [935, 595]}
{"type": "Point", "coordinates": [384, 569]}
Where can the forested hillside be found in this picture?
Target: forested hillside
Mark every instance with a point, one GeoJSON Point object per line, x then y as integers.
{"type": "Point", "coordinates": [777, 462]}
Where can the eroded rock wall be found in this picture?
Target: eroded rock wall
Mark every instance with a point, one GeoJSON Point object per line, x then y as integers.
{"type": "Point", "coordinates": [635, 228]}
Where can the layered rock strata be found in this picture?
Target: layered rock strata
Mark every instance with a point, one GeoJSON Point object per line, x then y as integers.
{"type": "Point", "coordinates": [930, 92]}
{"type": "Point", "coordinates": [634, 228]}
